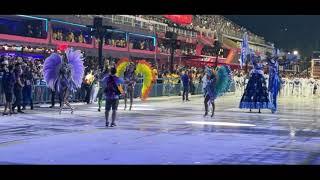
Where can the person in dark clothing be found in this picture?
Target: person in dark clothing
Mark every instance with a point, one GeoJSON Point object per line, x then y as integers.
{"type": "Point", "coordinates": [101, 87]}
{"type": "Point", "coordinates": [112, 95]}
{"type": "Point", "coordinates": [27, 88]}
{"type": "Point", "coordinates": [8, 81]}
{"type": "Point", "coordinates": [191, 88]}
{"type": "Point", "coordinates": [88, 87]}
{"type": "Point", "coordinates": [53, 96]}
{"type": "Point", "coordinates": [17, 89]}
{"type": "Point", "coordinates": [185, 83]}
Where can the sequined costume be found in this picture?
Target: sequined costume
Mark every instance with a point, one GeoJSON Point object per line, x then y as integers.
{"type": "Point", "coordinates": [255, 95]}
{"type": "Point", "coordinates": [64, 73]}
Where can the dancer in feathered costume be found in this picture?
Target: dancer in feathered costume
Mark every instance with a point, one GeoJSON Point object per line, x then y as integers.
{"type": "Point", "coordinates": [64, 74]}
{"type": "Point", "coordinates": [143, 68]}
{"type": "Point", "coordinates": [256, 94]}
{"type": "Point", "coordinates": [130, 81]}
{"type": "Point", "coordinates": [274, 77]}
{"type": "Point", "coordinates": [216, 83]}
{"type": "Point", "coordinates": [274, 80]}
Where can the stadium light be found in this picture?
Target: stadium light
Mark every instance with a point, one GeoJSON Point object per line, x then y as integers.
{"type": "Point", "coordinates": [295, 52]}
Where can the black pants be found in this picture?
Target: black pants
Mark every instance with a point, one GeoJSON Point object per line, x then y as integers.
{"type": "Point", "coordinates": [185, 93]}
{"type": "Point", "coordinates": [88, 93]}
{"type": "Point", "coordinates": [27, 96]}
{"type": "Point", "coordinates": [100, 96]}
{"type": "Point", "coordinates": [17, 91]}
{"type": "Point", "coordinates": [53, 96]}
{"type": "Point", "coordinates": [206, 106]}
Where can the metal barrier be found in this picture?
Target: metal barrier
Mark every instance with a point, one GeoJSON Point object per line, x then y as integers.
{"type": "Point", "coordinates": [42, 94]}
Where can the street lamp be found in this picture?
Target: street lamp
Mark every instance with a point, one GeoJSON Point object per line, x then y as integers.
{"type": "Point", "coordinates": [99, 31]}
{"type": "Point", "coordinates": [174, 44]}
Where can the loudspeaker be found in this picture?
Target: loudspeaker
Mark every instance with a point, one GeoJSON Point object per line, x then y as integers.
{"type": "Point", "coordinates": [97, 22]}
{"type": "Point", "coordinates": [171, 35]}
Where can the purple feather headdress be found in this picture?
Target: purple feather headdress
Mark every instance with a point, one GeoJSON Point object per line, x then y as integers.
{"type": "Point", "coordinates": [75, 60]}
{"type": "Point", "coordinates": [51, 67]}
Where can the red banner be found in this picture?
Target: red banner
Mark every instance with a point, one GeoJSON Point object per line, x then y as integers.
{"type": "Point", "coordinates": [180, 19]}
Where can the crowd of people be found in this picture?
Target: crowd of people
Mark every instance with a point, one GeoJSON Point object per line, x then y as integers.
{"type": "Point", "coordinates": [19, 75]}
{"type": "Point", "coordinates": [184, 49]}
{"type": "Point", "coordinates": [70, 36]}
{"type": "Point", "coordinates": [166, 21]}
{"type": "Point", "coordinates": [27, 72]}
{"type": "Point", "coordinates": [34, 30]}
{"type": "Point", "coordinates": [116, 42]}
{"type": "Point", "coordinates": [142, 44]}
{"type": "Point", "coordinates": [223, 25]}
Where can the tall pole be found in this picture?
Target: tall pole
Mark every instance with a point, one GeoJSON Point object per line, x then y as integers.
{"type": "Point", "coordinates": [172, 48]}
{"type": "Point", "coordinates": [99, 32]}
{"type": "Point", "coordinates": [156, 46]}
{"type": "Point", "coordinates": [101, 61]}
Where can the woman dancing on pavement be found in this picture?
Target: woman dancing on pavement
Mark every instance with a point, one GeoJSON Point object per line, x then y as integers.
{"type": "Point", "coordinates": [130, 81]}
{"type": "Point", "coordinates": [216, 83]}
{"type": "Point", "coordinates": [274, 78]}
{"type": "Point", "coordinates": [64, 74]}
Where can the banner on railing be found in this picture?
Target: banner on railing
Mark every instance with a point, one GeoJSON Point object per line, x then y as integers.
{"type": "Point", "coordinates": [180, 19]}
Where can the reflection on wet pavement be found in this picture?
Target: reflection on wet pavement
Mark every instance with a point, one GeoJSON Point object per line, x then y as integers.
{"type": "Point", "coordinates": [159, 132]}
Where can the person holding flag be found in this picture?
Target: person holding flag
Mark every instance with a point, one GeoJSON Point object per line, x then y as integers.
{"type": "Point", "coordinates": [244, 49]}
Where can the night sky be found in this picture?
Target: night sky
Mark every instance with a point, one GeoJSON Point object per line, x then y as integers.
{"type": "Point", "coordinates": [301, 32]}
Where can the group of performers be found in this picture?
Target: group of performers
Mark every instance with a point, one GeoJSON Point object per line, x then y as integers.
{"type": "Point", "coordinates": [64, 74]}
{"type": "Point", "coordinates": [300, 87]}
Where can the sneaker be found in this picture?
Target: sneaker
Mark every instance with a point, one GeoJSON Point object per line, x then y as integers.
{"type": "Point", "coordinates": [4, 114]}
{"type": "Point", "coordinates": [113, 124]}
{"type": "Point", "coordinates": [205, 114]}
{"type": "Point", "coordinates": [21, 112]}
{"type": "Point", "coordinates": [107, 124]}
{"type": "Point", "coordinates": [99, 109]}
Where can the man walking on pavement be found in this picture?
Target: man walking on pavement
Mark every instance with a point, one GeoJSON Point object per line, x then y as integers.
{"type": "Point", "coordinates": [185, 83]}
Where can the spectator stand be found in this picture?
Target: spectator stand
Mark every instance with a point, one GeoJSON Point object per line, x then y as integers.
{"type": "Point", "coordinates": [24, 28]}
{"type": "Point", "coordinates": [72, 34]}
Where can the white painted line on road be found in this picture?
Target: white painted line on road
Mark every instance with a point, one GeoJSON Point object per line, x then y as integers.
{"type": "Point", "coordinates": [220, 123]}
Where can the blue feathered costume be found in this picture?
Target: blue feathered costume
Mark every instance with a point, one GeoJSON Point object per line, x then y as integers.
{"type": "Point", "coordinates": [215, 84]}
{"type": "Point", "coordinates": [274, 77]}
